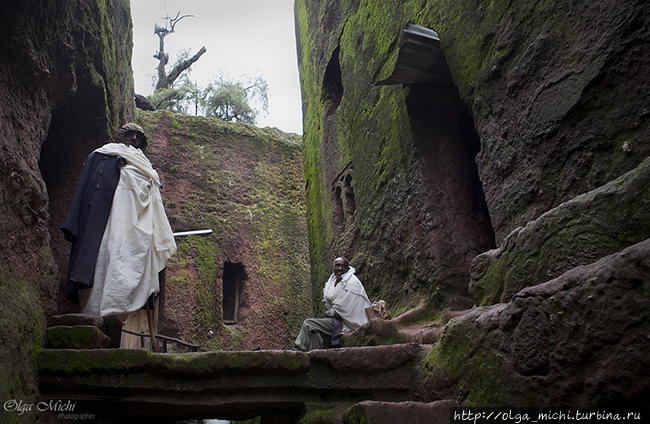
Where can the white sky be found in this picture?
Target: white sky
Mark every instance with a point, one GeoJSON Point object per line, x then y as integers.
{"type": "Point", "coordinates": [242, 37]}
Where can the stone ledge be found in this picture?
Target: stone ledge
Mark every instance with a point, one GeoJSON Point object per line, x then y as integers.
{"type": "Point", "coordinates": [75, 319]}
{"type": "Point", "coordinates": [369, 358]}
{"type": "Point", "coordinates": [75, 337]}
{"type": "Point", "coordinates": [577, 232]}
{"type": "Point", "coordinates": [199, 364]}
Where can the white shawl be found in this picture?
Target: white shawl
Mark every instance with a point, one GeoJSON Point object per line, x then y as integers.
{"type": "Point", "coordinates": [348, 298]}
{"type": "Point", "coordinates": [137, 240]}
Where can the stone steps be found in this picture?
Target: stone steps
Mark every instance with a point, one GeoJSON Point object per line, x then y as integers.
{"type": "Point", "coordinates": [225, 383]}
{"type": "Point", "coordinates": [75, 331]}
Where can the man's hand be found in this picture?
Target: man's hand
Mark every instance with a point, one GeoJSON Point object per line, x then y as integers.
{"type": "Point", "coordinates": [333, 314]}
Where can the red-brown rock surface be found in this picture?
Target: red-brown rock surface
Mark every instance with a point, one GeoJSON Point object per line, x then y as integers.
{"type": "Point", "coordinates": [580, 340]}
{"type": "Point", "coordinates": [246, 185]}
{"type": "Point", "coordinates": [124, 383]}
{"type": "Point", "coordinates": [65, 85]}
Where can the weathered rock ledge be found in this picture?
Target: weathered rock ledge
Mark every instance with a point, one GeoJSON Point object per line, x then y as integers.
{"type": "Point", "coordinates": [577, 232]}
{"type": "Point", "coordinates": [226, 383]}
{"type": "Point", "coordinates": [579, 340]}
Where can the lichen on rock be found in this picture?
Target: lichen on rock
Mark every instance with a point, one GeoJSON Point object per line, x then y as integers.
{"type": "Point", "coordinates": [245, 184]}
{"type": "Point", "coordinates": [574, 233]}
{"type": "Point", "coordinates": [66, 85]}
{"type": "Point", "coordinates": [578, 340]}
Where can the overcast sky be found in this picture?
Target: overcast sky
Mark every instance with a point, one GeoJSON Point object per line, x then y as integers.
{"type": "Point", "coordinates": [242, 37]}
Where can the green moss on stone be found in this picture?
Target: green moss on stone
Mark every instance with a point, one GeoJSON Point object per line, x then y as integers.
{"type": "Point", "coordinates": [246, 184]}
{"type": "Point", "coordinates": [74, 337]}
{"type": "Point", "coordinates": [79, 362]}
{"type": "Point", "coordinates": [22, 325]}
{"type": "Point", "coordinates": [53, 361]}
{"type": "Point", "coordinates": [371, 128]}
{"type": "Point", "coordinates": [465, 354]}
{"type": "Point", "coordinates": [577, 232]}
{"type": "Point", "coordinates": [366, 337]}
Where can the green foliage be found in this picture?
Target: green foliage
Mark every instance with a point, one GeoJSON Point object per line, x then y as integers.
{"type": "Point", "coordinates": [234, 101]}
{"type": "Point", "coordinates": [323, 413]}
{"type": "Point", "coordinates": [173, 99]}
{"type": "Point", "coordinates": [224, 98]}
{"type": "Point", "coordinates": [228, 102]}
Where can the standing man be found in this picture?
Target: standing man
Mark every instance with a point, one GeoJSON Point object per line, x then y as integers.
{"type": "Point", "coordinates": [120, 235]}
{"type": "Point", "coordinates": [345, 303]}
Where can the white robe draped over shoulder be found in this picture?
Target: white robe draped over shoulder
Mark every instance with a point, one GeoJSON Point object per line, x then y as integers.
{"type": "Point", "coordinates": [137, 240]}
{"type": "Point", "coordinates": [348, 298]}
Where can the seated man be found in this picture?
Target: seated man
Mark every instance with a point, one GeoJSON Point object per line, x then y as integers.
{"type": "Point", "coordinates": [345, 302]}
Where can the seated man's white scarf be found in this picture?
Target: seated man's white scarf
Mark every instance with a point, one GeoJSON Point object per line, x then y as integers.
{"type": "Point", "coordinates": [137, 240]}
{"type": "Point", "coordinates": [348, 298]}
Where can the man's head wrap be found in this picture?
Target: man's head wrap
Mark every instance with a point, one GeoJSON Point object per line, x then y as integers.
{"type": "Point", "coordinates": [132, 127]}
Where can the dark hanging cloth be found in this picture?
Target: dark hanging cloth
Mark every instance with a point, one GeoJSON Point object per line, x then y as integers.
{"type": "Point", "coordinates": [87, 217]}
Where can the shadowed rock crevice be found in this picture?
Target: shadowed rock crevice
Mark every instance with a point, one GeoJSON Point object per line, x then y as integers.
{"type": "Point", "coordinates": [454, 215]}
{"type": "Point", "coordinates": [332, 84]}
{"type": "Point", "coordinates": [69, 141]}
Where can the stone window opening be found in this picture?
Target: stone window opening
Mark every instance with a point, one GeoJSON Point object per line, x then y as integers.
{"type": "Point", "coordinates": [233, 277]}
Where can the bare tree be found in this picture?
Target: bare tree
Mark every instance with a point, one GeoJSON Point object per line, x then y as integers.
{"type": "Point", "coordinates": [165, 80]}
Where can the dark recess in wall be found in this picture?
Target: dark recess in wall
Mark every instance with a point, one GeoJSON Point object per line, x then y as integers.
{"type": "Point", "coordinates": [69, 140]}
{"type": "Point", "coordinates": [332, 85]}
{"type": "Point", "coordinates": [446, 143]}
{"type": "Point", "coordinates": [233, 276]}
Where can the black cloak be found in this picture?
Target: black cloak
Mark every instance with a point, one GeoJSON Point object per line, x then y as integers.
{"type": "Point", "coordinates": [87, 217]}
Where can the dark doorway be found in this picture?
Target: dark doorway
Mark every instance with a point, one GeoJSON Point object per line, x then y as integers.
{"type": "Point", "coordinates": [454, 213]}
{"type": "Point", "coordinates": [233, 275]}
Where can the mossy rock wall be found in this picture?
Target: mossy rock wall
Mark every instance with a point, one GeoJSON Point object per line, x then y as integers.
{"type": "Point", "coordinates": [246, 184]}
{"type": "Point", "coordinates": [65, 86]}
{"type": "Point", "coordinates": [578, 341]}
{"type": "Point", "coordinates": [420, 214]}
{"type": "Point", "coordinates": [547, 83]}
{"type": "Point", "coordinates": [577, 232]}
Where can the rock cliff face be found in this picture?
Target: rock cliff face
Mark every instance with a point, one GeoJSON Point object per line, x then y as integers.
{"type": "Point", "coordinates": [65, 85]}
{"type": "Point", "coordinates": [391, 178]}
{"type": "Point", "coordinates": [580, 231]}
{"type": "Point", "coordinates": [556, 93]}
{"type": "Point", "coordinates": [246, 285]}
{"type": "Point", "coordinates": [549, 99]}
{"type": "Point", "coordinates": [579, 340]}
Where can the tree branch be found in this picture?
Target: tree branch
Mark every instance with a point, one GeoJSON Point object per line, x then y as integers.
{"type": "Point", "coordinates": [175, 20]}
{"type": "Point", "coordinates": [180, 67]}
